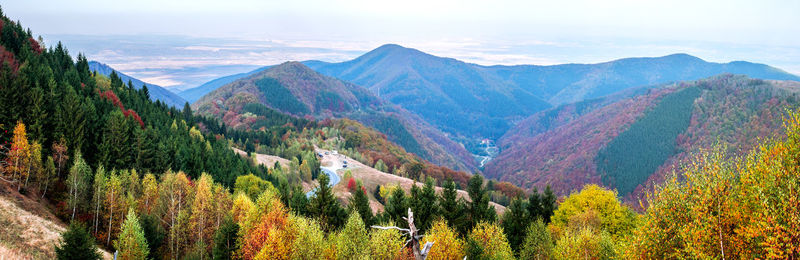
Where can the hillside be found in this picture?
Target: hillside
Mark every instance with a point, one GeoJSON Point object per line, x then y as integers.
{"type": "Point", "coordinates": [156, 92]}
{"type": "Point", "coordinates": [464, 99]}
{"type": "Point", "coordinates": [295, 89]}
{"type": "Point", "coordinates": [193, 94]}
{"type": "Point", "coordinates": [624, 143]}
{"type": "Point", "coordinates": [471, 102]}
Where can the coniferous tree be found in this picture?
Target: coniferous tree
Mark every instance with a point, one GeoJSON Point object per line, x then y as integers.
{"type": "Point", "coordinates": [77, 243]}
{"type": "Point", "coordinates": [116, 149]}
{"type": "Point", "coordinates": [548, 204]}
{"type": "Point", "coordinates": [478, 209]}
{"type": "Point", "coordinates": [153, 233]}
{"type": "Point", "coordinates": [397, 206]}
{"type": "Point", "coordinates": [225, 239]}
{"type": "Point", "coordinates": [534, 206]}
{"type": "Point", "coordinates": [452, 208]}
{"type": "Point", "coordinates": [131, 244]}
{"type": "Point", "coordinates": [423, 204]}
{"type": "Point", "coordinates": [514, 223]}
{"type": "Point", "coordinates": [324, 206]}
{"type": "Point", "coordinates": [360, 203]}
{"type": "Point", "coordinates": [538, 243]}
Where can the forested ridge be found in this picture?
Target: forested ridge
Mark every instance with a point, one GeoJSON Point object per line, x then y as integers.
{"type": "Point", "coordinates": [148, 181]}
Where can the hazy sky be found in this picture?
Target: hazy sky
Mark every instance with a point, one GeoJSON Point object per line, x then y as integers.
{"type": "Point", "coordinates": [484, 32]}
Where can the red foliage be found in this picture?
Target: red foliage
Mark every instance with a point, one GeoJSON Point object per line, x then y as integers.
{"type": "Point", "coordinates": [8, 59]}
{"type": "Point", "coordinates": [135, 116]}
{"type": "Point", "coordinates": [35, 46]}
{"type": "Point", "coordinates": [108, 94]}
{"type": "Point", "coordinates": [351, 184]}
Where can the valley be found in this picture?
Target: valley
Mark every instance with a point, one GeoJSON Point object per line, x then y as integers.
{"type": "Point", "coordinates": [457, 144]}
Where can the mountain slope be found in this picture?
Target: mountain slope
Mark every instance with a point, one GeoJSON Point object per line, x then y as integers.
{"type": "Point", "coordinates": [475, 100]}
{"type": "Point", "coordinates": [193, 94]}
{"type": "Point", "coordinates": [567, 147]}
{"type": "Point", "coordinates": [156, 92]}
{"type": "Point", "coordinates": [295, 89]}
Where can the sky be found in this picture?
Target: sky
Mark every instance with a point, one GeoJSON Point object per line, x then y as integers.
{"type": "Point", "coordinates": [182, 43]}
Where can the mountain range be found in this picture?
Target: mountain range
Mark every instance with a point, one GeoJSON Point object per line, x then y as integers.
{"type": "Point", "coordinates": [471, 102]}
{"type": "Point", "coordinates": [560, 125]}
{"type": "Point", "coordinates": [295, 89]}
{"type": "Point", "coordinates": [156, 92]}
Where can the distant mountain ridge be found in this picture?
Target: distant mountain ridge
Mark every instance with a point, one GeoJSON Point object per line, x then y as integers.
{"type": "Point", "coordinates": [156, 92]}
{"type": "Point", "coordinates": [295, 89]}
{"type": "Point", "coordinates": [193, 94]}
{"type": "Point", "coordinates": [431, 86]}
{"type": "Point", "coordinates": [472, 101]}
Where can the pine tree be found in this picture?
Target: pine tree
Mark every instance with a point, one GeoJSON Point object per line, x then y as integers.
{"type": "Point", "coordinates": [115, 150]}
{"type": "Point", "coordinates": [423, 204]}
{"type": "Point", "coordinates": [360, 203]}
{"type": "Point", "coordinates": [225, 239]}
{"type": "Point", "coordinates": [548, 204]}
{"type": "Point", "coordinates": [538, 242]}
{"type": "Point", "coordinates": [397, 206]}
{"type": "Point", "coordinates": [478, 209]}
{"type": "Point", "coordinates": [131, 243]}
{"type": "Point", "coordinates": [452, 208]}
{"type": "Point", "coordinates": [514, 222]}
{"type": "Point", "coordinates": [534, 206]}
{"type": "Point", "coordinates": [324, 206]}
{"type": "Point", "coordinates": [77, 243]}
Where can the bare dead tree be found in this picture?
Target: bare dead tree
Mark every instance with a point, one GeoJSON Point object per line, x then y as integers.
{"type": "Point", "coordinates": [411, 232]}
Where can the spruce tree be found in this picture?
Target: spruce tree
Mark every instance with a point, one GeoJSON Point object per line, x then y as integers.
{"type": "Point", "coordinates": [452, 208]}
{"type": "Point", "coordinates": [77, 243]}
{"type": "Point", "coordinates": [397, 207]}
{"type": "Point", "coordinates": [478, 209]}
{"type": "Point", "coordinates": [360, 203]}
{"type": "Point", "coordinates": [324, 206]}
{"type": "Point", "coordinates": [514, 223]}
{"type": "Point", "coordinates": [131, 244]}
{"type": "Point", "coordinates": [225, 239]}
{"type": "Point", "coordinates": [423, 204]}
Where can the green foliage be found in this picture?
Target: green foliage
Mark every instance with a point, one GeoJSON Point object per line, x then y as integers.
{"type": "Point", "coordinates": [77, 243]}
{"type": "Point", "coordinates": [352, 241]}
{"type": "Point", "coordinates": [452, 208]}
{"type": "Point", "coordinates": [225, 239]}
{"type": "Point", "coordinates": [279, 97]}
{"type": "Point", "coordinates": [538, 243]}
{"type": "Point", "coordinates": [397, 206]}
{"type": "Point", "coordinates": [324, 206]}
{"type": "Point", "coordinates": [478, 209]}
{"type": "Point", "coordinates": [153, 233]}
{"type": "Point", "coordinates": [514, 222]}
{"type": "Point", "coordinates": [385, 244]}
{"type": "Point", "coordinates": [720, 205]}
{"type": "Point", "coordinates": [251, 185]}
{"type": "Point", "coordinates": [131, 244]}
{"type": "Point", "coordinates": [651, 140]}
{"type": "Point", "coordinates": [310, 242]}
{"type": "Point", "coordinates": [360, 203]}
{"type": "Point", "coordinates": [423, 204]}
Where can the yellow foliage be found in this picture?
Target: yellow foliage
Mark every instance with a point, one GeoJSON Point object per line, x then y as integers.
{"type": "Point", "coordinates": [447, 245]}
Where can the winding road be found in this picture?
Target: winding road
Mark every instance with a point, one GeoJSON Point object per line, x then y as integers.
{"type": "Point", "coordinates": [336, 164]}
